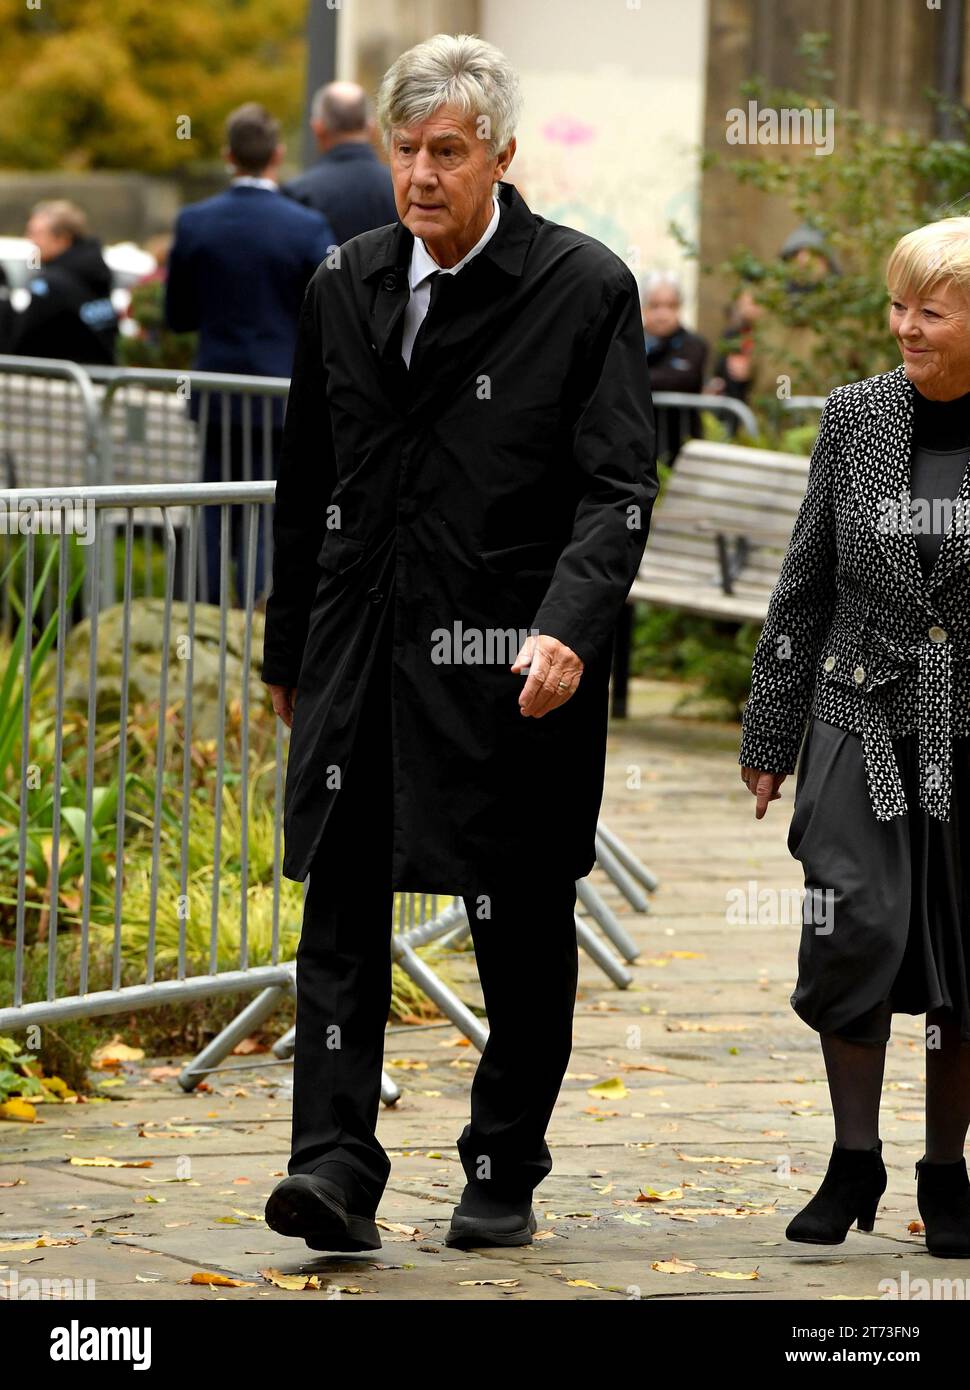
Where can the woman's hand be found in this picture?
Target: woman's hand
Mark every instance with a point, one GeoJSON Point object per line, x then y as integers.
{"type": "Point", "coordinates": [763, 785]}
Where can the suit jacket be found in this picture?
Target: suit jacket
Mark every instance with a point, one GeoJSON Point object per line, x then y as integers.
{"type": "Point", "coordinates": [854, 634]}
{"type": "Point", "coordinates": [237, 273]}
{"type": "Point", "coordinates": [350, 186]}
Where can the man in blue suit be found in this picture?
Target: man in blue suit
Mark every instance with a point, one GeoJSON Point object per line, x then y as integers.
{"type": "Point", "coordinates": [237, 272]}
{"type": "Point", "coordinates": [348, 183]}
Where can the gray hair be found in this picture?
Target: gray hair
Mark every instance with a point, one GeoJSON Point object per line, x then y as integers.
{"type": "Point", "coordinates": [660, 279]}
{"type": "Point", "coordinates": [340, 108]}
{"type": "Point", "coordinates": [458, 70]}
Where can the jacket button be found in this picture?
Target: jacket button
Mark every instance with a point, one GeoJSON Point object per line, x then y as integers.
{"type": "Point", "coordinates": [389, 282]}
{"type": "Point", "coordinates": [829, 662]}
{"type": "Point", "coordinates": [937, 634]}
{"type": "Point", "coordinates": [859, 675]}
{"type": "Point", "coordinates": [375, 596]}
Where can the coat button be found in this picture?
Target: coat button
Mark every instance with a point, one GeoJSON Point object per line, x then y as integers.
{"type": "Point", "coordinates": [859, 675]}
{"type": "Point", "coordinates": [389, 282]}
{"type": "Point", "coordinates": [829, 662]}
{"type": "Point", "coordinates": [375, 596]}
{"type": "Point", "coordinates": [937, 634]}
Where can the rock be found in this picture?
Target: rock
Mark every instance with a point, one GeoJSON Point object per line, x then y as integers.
{"type": "Point", "coordinates": [145, 660]}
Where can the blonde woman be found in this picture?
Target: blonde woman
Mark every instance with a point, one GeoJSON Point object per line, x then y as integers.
{"type": "Point", "coordinates": [867, 641]}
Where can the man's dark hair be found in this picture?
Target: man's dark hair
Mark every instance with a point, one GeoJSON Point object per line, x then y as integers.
{"type": "Point", "coordinates": [252, 135]}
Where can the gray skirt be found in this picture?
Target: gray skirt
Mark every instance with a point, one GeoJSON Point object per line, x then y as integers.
{"type": "Point", "coordinates": [886, 915]}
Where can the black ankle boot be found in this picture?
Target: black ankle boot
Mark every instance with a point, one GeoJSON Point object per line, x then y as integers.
{"type": "Point", "coordinates": [850, 1191]}
{"type": "Point", "coordinates": [943, 1198]}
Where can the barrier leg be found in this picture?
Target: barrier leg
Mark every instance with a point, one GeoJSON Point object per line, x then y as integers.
{"type": "Point", "coordinates": [626, 857]}
{"type": "Point", "coordinates": [607, 921]}
{"type": "Point", "coordinates": [602, 956]}
{"type": "Point", "coordinates": [252, 1016]}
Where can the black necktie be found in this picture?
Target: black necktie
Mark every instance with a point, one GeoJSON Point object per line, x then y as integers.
{"type": "Point", "coordinates": [437, 280]}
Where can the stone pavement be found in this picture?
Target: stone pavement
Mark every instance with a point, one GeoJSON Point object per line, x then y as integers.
{"type": "Point", "coordinates": [675, 1183]}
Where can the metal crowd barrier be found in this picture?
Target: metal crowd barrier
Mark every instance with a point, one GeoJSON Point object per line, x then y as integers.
{"type": "Point", "coordinates": [64, 425]}
{"type": "Point", "coordinates": [676, 411]}
{"type": "Point", "coordinates": [129, 825]}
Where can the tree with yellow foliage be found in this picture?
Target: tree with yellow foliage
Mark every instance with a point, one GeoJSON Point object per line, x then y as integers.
{"type": "Point", "coordinates": [138, 84]}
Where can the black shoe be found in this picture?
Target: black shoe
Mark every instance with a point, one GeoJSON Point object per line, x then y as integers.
{"type": "Point", "coordinates": [943, 1198]}
{"type": "Point", "coordinates": [483, 1220]}
{"type": "Point", "coordinates": [850, 1191]}
{"type": "Point", "coordinates": [311, 1206]}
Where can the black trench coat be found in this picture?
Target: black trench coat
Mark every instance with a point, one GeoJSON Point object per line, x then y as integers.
{"type": "Point", "coordinates": [504, 482]}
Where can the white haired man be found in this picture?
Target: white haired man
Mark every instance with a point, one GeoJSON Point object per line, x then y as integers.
{"type": "Point", "coordinates": [467, 478]}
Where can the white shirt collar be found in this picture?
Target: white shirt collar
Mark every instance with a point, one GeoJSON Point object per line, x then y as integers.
{"type": "Point", "coordinates": [423, 263]}
{"type": "Point", "coordinates": [250, 181]}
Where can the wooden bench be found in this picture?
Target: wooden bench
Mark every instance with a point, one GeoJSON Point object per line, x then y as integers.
{"type": "Point", "coordinates": [717, 538]}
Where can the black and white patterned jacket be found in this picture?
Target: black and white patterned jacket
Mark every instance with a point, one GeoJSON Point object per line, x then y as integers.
{"type": "Point", "coordinates": [854, 634]}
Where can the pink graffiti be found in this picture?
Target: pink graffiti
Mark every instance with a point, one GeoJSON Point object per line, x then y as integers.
{"type": "Point", "coordinates": [566, 130]}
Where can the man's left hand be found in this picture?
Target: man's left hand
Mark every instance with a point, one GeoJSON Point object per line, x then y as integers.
{"type": "Point", "coordinates": [556, 672]}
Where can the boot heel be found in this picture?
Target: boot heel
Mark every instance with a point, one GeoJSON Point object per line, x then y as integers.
{"type": "Point", "coordinates": [853, 1184]}
{"type": "Point", "coordinates": [867, 1216]}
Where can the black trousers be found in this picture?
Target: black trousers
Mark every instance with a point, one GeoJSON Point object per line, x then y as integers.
{"type": "Point", "coordinates": [526, 952]}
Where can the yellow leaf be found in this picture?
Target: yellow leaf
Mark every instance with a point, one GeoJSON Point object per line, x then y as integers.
{"type": "Point", "coordinates": [18, 1109]}
{"type": "Point", "coordinates": [102, 1162]}
{"type": "Point", "coordinates": [652, 1195]}
{"type": "Point", "coordinates": [731, 1274]}
{"type": "Point", "coordinates": [674, 1266]}
{"type": "Point", "coordinates": [290, 1281]}
{"type": "Point", "coordinates": [113, 1053]}
{"type": "Point", "coordinates": [582, 1284]}
{"type": "Point", "coordinates": [40, 1243]}
{"type": "Point", "coordinates": [57, 1085]}
{"type": "Point", "coordinates": [613, 1089]}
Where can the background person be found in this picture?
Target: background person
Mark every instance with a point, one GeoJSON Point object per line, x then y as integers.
{"type": "Point", "coordinates": [70, 314]}
{"type": "Point", "coordinates": [675, 357]}
{"type": "Point", "coordinates": [348, 183]}
{"type": "Point", "coordinates": [237, 272]}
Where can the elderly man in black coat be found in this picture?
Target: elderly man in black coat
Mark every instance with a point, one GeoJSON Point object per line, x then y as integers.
{"type": "Point", "coordinates": [467, 476]}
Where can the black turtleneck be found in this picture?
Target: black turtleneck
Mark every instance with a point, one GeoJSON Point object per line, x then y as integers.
{"type": "Point", "coordinates": [938, 461]}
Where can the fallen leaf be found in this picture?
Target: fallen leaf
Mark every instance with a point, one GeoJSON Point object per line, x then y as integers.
{"type": "Point", "coordinates": [613, 1089]}
{"type": "Point", "coordinates": [18, 1109]}
{"type": "Point", "coordinates": [222, 1280]}
{"type": "Point", "coordinates": [113, 1053]}
{"type": "Point", "coordinates": [290, 1281]}
{"type": "Point", "coordinates": [480, 1283]}
{"type": "Point", "coordinates": [101, 1162]}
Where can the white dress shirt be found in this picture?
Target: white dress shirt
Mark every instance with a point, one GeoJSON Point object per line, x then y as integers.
{"type": "Point", "coordinates": [423, 266]}
{"type": "Point", "coordinates": [250, 181]}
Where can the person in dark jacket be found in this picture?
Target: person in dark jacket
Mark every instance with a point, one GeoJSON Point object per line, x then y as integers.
{"type": "Point", "coordinates": [465, 491]}
{"type": "Point", "coordinates": [237, 272]}
{"type": "Point", "coordinates": [348, 183]}
{"type": "Point", "coordinates": [7, 315]}
{"type": "Point", "coordinates": [675, 357]}
{"type": "Point", "coordinates": [70, 314]}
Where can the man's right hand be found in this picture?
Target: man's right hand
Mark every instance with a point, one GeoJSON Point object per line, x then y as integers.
{"type": "Point", "coordinates": [284, 698]}
{"type": "Point", "coordinates": [763, 785]}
